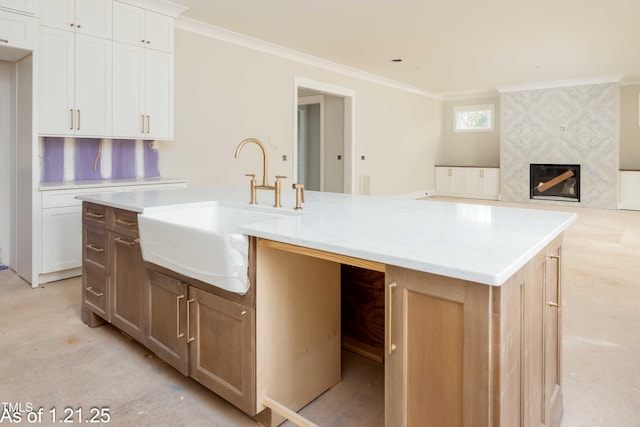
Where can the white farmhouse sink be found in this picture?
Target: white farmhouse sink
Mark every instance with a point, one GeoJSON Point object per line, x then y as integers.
{"type": "Point", "coordinates": [202, 241]}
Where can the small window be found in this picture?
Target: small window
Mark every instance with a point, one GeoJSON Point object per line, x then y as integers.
{"type": "Point", "coordinates": [473, 118]}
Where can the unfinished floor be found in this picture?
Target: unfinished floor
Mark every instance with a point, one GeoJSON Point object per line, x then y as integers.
{"type": "Point", "coordinates": [49, 358]}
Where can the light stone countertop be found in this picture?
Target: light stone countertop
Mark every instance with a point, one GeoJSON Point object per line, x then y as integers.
{"type": "Point", "coordinates": [484, 244]}
{"type": "Point", "coordinates": [98, 183]}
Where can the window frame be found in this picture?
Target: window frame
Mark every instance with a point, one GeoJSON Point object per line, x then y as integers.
{"type": "Point", "coordinates": [469, 108]}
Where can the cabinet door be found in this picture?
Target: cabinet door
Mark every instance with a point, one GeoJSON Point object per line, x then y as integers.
{"type": "Point", "coordinates": [27, 6]}
{"type": "Point", "coordinates": [56, 82]}
{"type": "Point", "coordinates": [458, 180]}
{"type": "Point", "coordinates": [166, 320]}
{"type": "Point", "coordinates": [58, 14]}
{"type": "Point", "coordinates": [222, 348]}
{"type": "Point", "coordinates": [93, 86]}
{"type": "Point", "coordinates": [443, 182]}
{"type": "Point", "coordinates": [158, 90]}
{"type": "Point", "coordinates": [94, 17]}
{"type": "Point", "coordinates": [61, 239]}
{"type": "Point", "coordinates": [18, 31]}
{"type": "Point", "coordinates": [437, 350]}
{"type": "Point", "coordinates": [159, 31]}
{"type": "Point", "coordinates": [128, 24]}
{"type": "Point", "coordinates": [474, 178]}
{"type": "Point", "coordinates": [127, 286]}
{"type": "Point", "coordinates": [128, 91]}
{"type": "Point", "coordinates": [552, 377]}
{"type": "Point", "coordinates": [491, 183]}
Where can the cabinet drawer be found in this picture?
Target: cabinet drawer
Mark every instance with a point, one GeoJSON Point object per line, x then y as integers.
{"type": "Point", "coordinates": [18, 30]}
{"type": "Point", "coordinates": [96, 247]}
{"type": "Point", "coordinates": [95, 214]}
{"type": "Point", "coordinates": [125, 222]}
{"type": "Point", "coordinates": [95, 290]}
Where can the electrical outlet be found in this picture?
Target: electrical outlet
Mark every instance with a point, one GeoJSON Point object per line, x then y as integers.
{"type": "Point", "coordinates": [284, 157]}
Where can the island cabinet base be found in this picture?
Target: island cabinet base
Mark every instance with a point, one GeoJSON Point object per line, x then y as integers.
{"type": "Point", "coordinates": [465, 354]}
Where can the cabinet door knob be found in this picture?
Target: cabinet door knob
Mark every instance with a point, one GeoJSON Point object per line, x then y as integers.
{"type": "Point", "coordinates": [4, 41]}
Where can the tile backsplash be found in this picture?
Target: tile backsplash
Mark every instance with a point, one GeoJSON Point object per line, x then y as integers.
{"type": "Point", "coordinates": [79, 159]}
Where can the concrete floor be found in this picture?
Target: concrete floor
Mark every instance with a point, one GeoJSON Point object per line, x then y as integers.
{"type": "Point", "coordinates": [50, 359]}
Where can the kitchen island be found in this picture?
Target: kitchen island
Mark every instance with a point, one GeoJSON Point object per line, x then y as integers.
{"type": "Point", "coordinates": [472, 312]}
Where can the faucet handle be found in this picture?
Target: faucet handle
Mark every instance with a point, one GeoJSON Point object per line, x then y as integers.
{"type": "Point", "coordinates": [279, 177]}
{"type": "Point", "coordinates": [252, 200]}
{"type": "Point", "coordinates": [276, 191]}
{"type": "Point", "coordinates": [299, 195]}
{"type": "Point", "coordinates": [252, 175]}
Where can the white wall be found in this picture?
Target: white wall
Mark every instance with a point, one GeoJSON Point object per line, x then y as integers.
{"type": "Point", "coordinates": [629, 127]}
{"type": "Point", "coordinates": [7, 116]}
{"type": "Point", "coordinates": [225, 93]}
{"type": "Point", "coordinates": [471, 148]}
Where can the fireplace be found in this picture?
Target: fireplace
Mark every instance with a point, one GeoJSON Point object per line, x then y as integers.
{"type": "Point", "coordinates": [555, 182]}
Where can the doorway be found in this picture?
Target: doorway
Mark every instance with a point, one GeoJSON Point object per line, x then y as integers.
{"type": "Point", "coordinates": [324, 135]}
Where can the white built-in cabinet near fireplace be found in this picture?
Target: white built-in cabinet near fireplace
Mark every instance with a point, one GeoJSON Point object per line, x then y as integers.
{"type": "Point", "coordinates": [630, 189]}
{"type": "Point", "coordinates": [142, 73]}
{"type": "Point", "coordinates": [472, 182]}
{"type": "Point", "coordinates": [106, 69]}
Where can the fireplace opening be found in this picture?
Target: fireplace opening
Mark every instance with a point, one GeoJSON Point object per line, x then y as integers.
{"type": "Point", "coordinates": [555, 182]}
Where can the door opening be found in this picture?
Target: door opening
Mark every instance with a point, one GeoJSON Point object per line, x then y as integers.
{"type": "Point", "coordinates": [324, 135]}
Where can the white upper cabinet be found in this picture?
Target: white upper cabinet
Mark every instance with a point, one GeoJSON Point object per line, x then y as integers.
{"type": "Point", "coordinates": [24, 6]}
{"type": "Point", "coordinates": [90, 17]}
{"type": "Point", "coordinates": [17, 31]}
{"type": "Point", "coordinates": [75, 84]}
{"type": "Point", "coordinates": [142, 92]}
{"type": "Point", "coordinates": [140, 27]}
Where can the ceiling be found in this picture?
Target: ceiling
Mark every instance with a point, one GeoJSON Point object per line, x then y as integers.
{"type": "Point", "coordinates": [447, 47]}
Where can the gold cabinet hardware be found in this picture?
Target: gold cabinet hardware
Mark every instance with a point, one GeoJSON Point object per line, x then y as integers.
{"type": "Point", "coordinates": [141, 123]}
{"type": "Point", "coordinates": [178, 334]}
{"type": "Point", "coordinates": [449, 172]}
{"type": "Point", "coordinates": [78, 120]}
{"type": "Point", "coordinates": [148, 41]}
{"type": "Point", "coordinates": [78, 26]}
{"type": "Point", "coordinates": [94, 215]}
{"type": "Point", "coordinates": [481, 173]}
{"type": "Point", "coordinates": [98, 294]}
{"type": "Point", "coordinates": [148, 124]}
{"type": "Point", "coordinates": [124, 242]}
{"type": "Point", "coordinates": [71, 114]}
{"type": "Point", "coordinates": [94, 248]}
{"type": "Point", "coordinates": [559, 284]}
{"type": "Point", "coordinates": [142, 40]}
{"type": "Point", "coordinates": [127, 223]}
{"type": "Point", "coordinates": [71, 24]}
{"type": "Point", "coordinates": [392, 287]}
{"type": "Point", "coordinates": [4, 40]}
{"type": "Point", "coordinates": [189, 337]}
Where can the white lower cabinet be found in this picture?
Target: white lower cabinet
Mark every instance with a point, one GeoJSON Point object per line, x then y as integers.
{"type": "Point", "coordinates": [61, 232]}
{"type": "Point", "coordinates": [471, 182]}
{"type": "Point", "coordinates": [630, 190]}
{"type": "Point", "coordinates": [61, 220]}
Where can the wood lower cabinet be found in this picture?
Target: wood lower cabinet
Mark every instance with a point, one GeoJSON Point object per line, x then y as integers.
{"type": "Point", "coordinates": [464, 354]}
{"type": "Point", "coordinates": [222, 347]}
{"type": "Point", "coordinates": [205, 336]}
{"type": "Point", "coordinates": [166, 320]}
{"type": "Point", "coordinates": [127, 280]}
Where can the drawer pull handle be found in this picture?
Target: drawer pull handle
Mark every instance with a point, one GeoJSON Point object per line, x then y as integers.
{"type": "Point", "coordinates": [78, 128]}
{"type": "Point", "coordinates": [94, 248]}
{"type": "Point", "coordinates": [4, 40]}
{"type": "Point", "coordinates": [127, 223]}
{"type": "Point", "coordinates": [98, 294]}
{"type": "Point", "coordinates": [95, 215]}
{"type": "Point", "coordinates": [392, 287]}
{"type": "Point", "coordinates": [189, 337]}
{"type": "Point", "coordinates": [148, 123]}
{"type": "Point", "coordinates": [178, 334]}
{"type": "Point", "coordinates": [124, 242]}
{"type": "Point", "coordinates": [71, 113]}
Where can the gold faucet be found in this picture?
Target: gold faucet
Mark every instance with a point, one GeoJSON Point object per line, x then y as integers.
{"type": "Point", "coordinates": [265, 184]}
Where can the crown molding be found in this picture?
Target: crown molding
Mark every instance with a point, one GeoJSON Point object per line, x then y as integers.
{"type": "Point", "coordinates": [208, 30]}
{"type": "Point", "coordinates": [560, 83]}
{"type": "Point", "coordinates": [161, 6]}
{"type": "Point", "coordinates": [479, 94]}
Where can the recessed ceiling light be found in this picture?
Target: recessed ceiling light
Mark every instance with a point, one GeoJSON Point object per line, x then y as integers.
{"type": "Point", "coordinates": [396, 60]}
